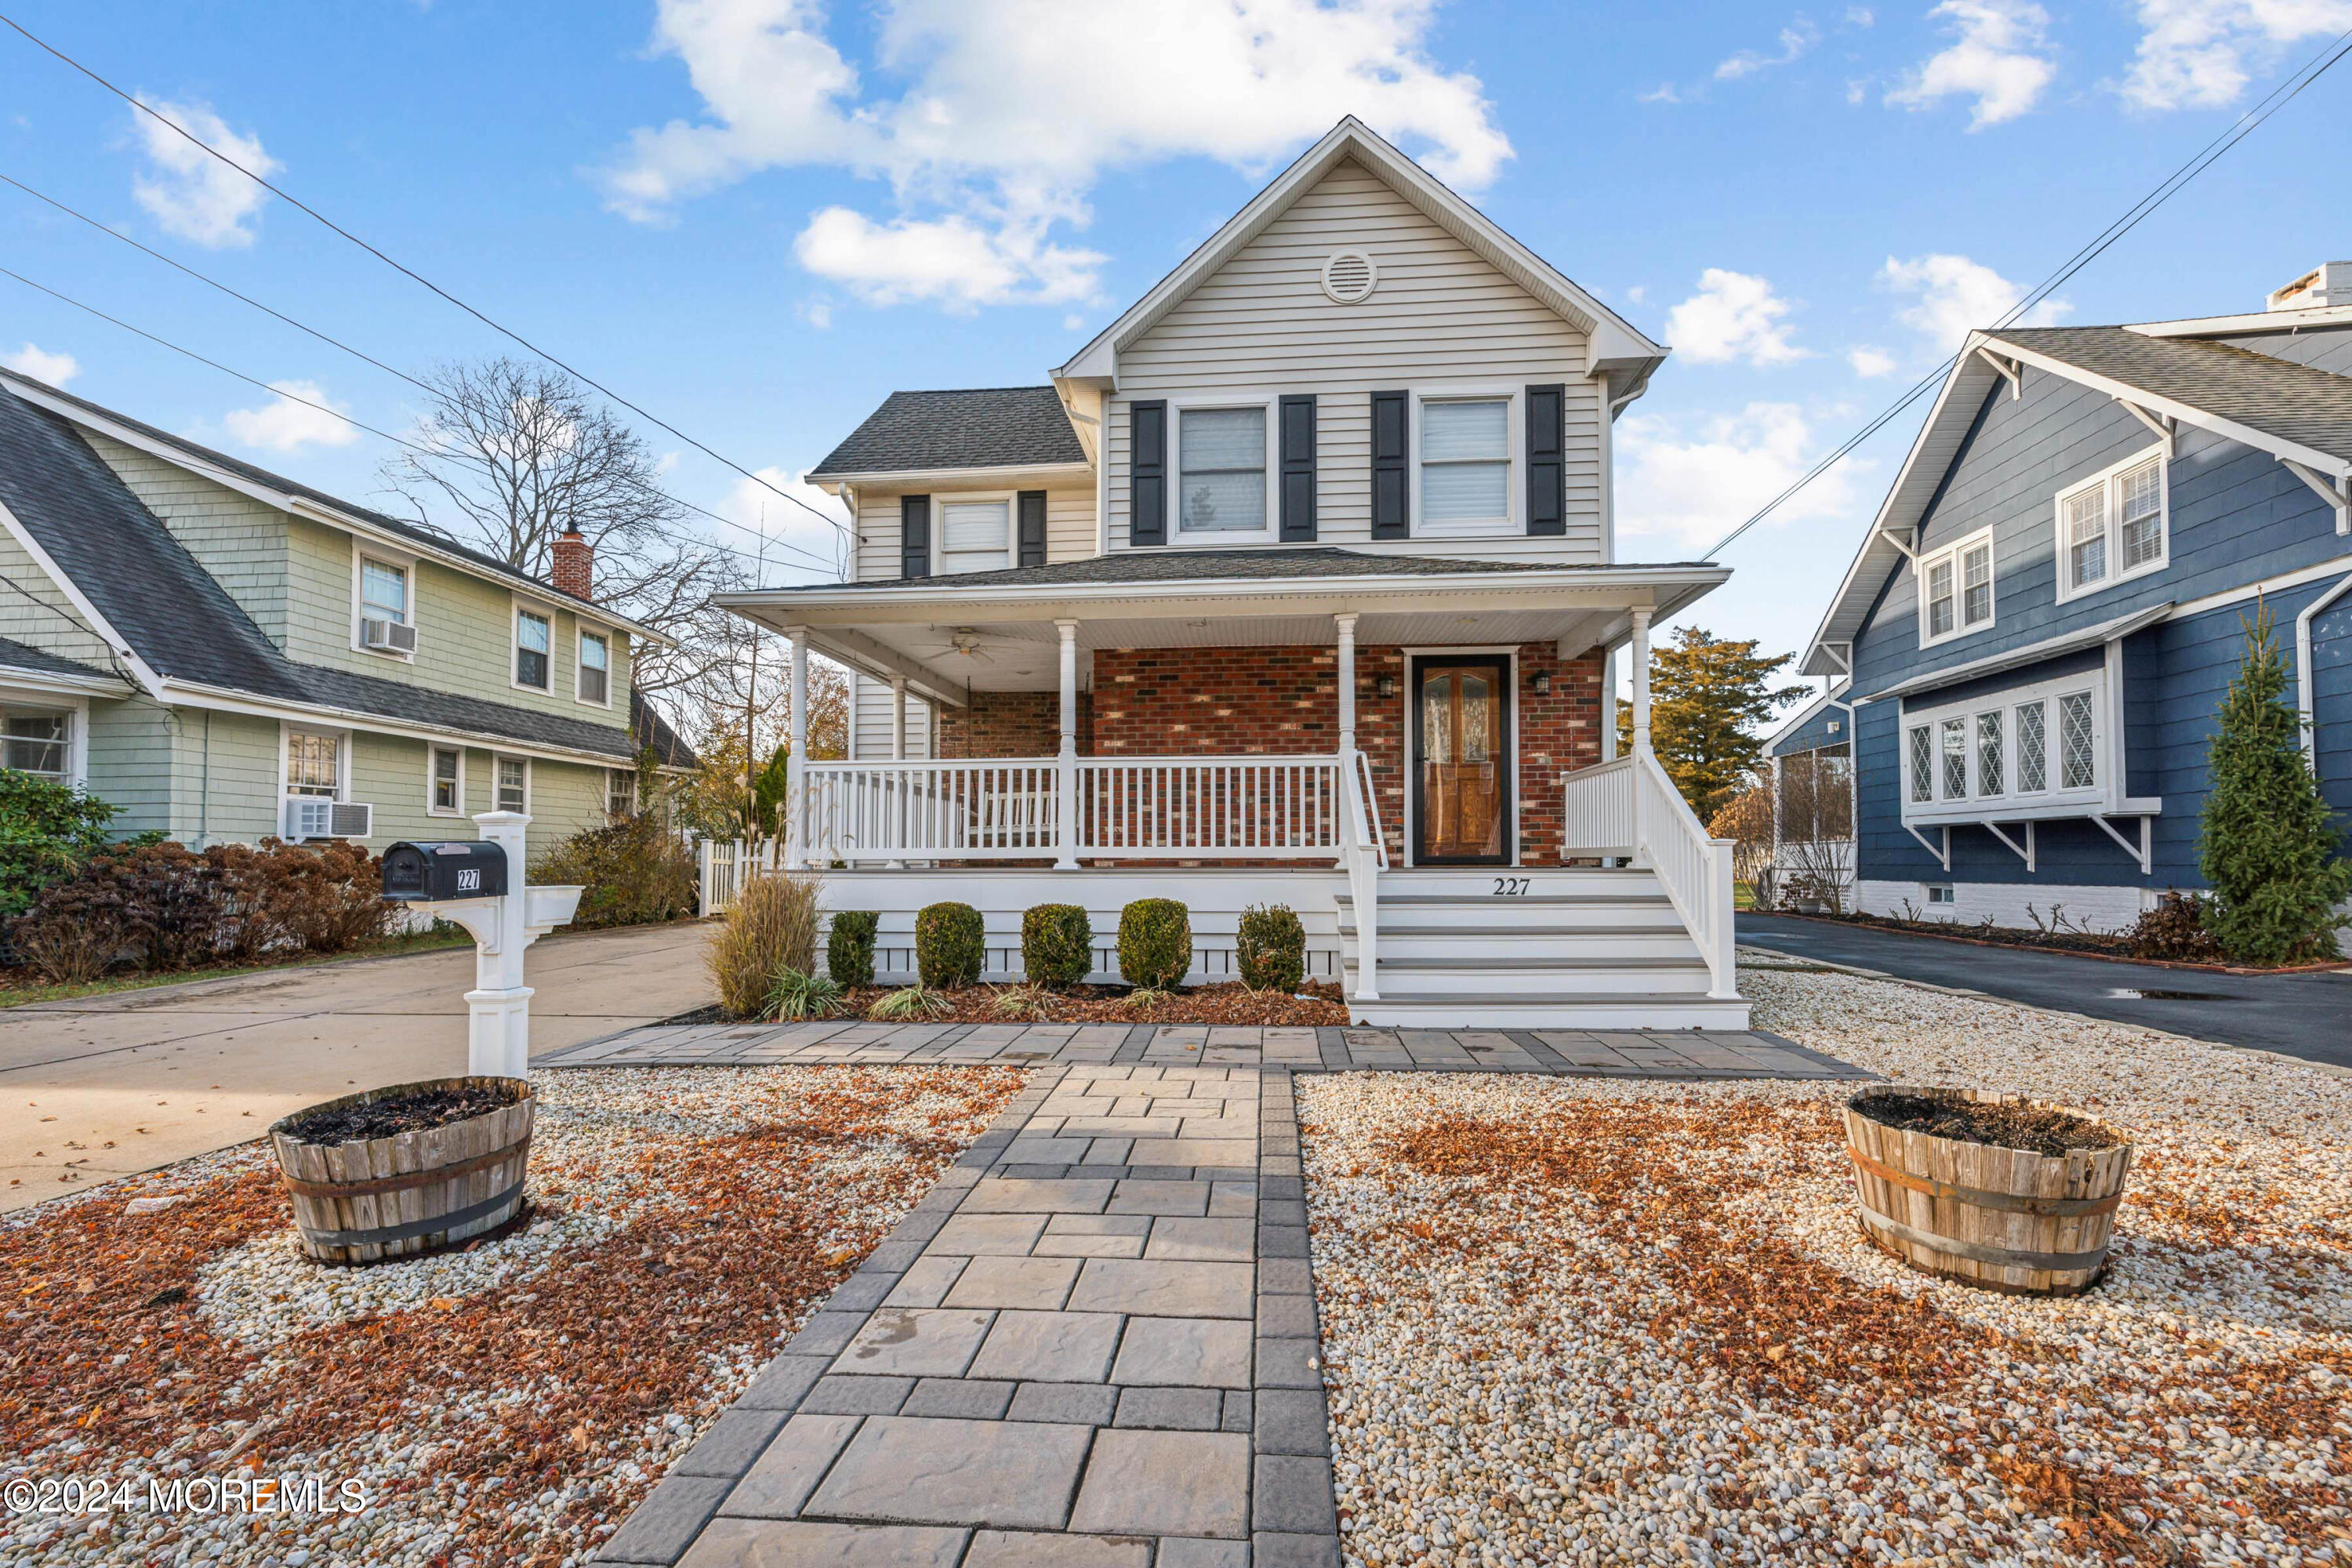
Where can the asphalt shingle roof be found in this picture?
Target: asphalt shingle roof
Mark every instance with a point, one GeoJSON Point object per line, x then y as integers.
{"type": "Point", "coordinates": [983, 427]}
{"type": "Point", "coordinates": [1289, 563]}
{"type": "Point", "coordinates": [2298, 403]}
{"type": "Point", "coordinates": [184, 625]}
{"type": "Point", "coordinates": [17, 656]}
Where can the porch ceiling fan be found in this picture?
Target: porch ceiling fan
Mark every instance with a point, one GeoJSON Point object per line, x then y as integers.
{"type": "Point", "coordinates": [963, 640]}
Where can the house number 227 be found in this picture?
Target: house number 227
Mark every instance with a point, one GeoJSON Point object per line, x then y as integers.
{"type": "Point", "coordinates": [1510, 886]}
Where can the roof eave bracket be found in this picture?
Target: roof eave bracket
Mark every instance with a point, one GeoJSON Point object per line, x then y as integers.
{"type": "Point", "coordinates": [2009, 370]}
{"type": "Point", "coordinates": [1944, 855]}
{"type": "Point", "coordinates": [2337, 492]}
{"type": "Point", "coordinates": [2163, 425]}
{"type": "Point", "coordinates": [2023, 852]}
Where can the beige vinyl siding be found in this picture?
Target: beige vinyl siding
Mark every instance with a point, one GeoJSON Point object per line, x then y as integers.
{"type": "Point", "coordinates": [1441, 316]}
{"type": "Point", "coordinates": [1070, 534]}
{"type": "Point", "coordinates": [36, 613]}
{"type": "Point", "coordinates": [239, 541]}
{"type": "Point", "coordinates": [871, 718]}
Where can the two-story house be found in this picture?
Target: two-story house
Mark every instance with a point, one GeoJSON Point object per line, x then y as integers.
{"type": "Point", "coordinates": [223, 654]}
{"type": "Point", "coordinates": [1298, 584]}
{"type": "Point", "coordinates": [2029, 650]}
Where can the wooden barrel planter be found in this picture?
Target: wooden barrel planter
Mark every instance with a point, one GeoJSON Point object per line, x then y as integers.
{"type": "Point", "coordinates": [2026, 1221]}
{"type": "Point", "coordinates": [373, 1199]}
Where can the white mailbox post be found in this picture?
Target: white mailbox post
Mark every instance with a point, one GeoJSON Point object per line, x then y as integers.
{"type": "Point", "coordinates": [499, 1006]}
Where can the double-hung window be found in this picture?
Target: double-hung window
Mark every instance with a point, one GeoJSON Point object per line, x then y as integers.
{"type": "Point", "coordinates": [2113, 525]}
{"type": "Point", "coordinates": [446, 795]}
{"type": "Point", "coordinates": [532, 639]}
{"type": "Point", "coordinates": [974, 536]}
{"type": "Point", "coordinates": [595, 675]}
{"type": "Point", "coordinates": [313, 763]}
{"type": "Point", "coordinates": [514, 784]}
{"type": "Point", "coordinates": [383, 591]}
{"type": "Point", "coordinates": [1955, 589]}
{"type": "Point", "coordinates": [37, 743]}
{"type": "Point", "coordinates": [1465, 465]}
{"type": "Point", "coordinates": [1221, 470]}
{"type": "Point", "coordinates": [620, 792]}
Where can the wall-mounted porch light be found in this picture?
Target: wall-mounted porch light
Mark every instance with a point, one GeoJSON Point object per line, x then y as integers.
{"type": "Point", "coordinates": [1540, 682]}
{"type": "Point", "coordinates": [1386, 686]}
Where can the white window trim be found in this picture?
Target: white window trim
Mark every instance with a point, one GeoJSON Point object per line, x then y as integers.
{"type": "Point", "coordinates": [286, 729]}
{"type": "Point", "coordinates": [431, 809]}
{"type": "Point", "coordinates": [631, 775]}
{"type": "Point", "coordinates": [579, 633]}
{"type": "Point", "coordinates": [363, 551]}
{"type": "Point", "coordinates": [498, 758]}
{"type": "Point", "coordinates": [941, 500]}
{"type": "Point", "coordinates": [77, 710]}
{"type": "Point", "coordinates": [517, 608]}
{"type": "Point", "coordinates": [1271, 403]}
{"type": "Point", "coordinates": [2162, 452]}
{"type": "Point", "coordinates": [2103, 796]}
{"type": "Point", "coordinates": [1514, 519]}
{"type": "Point", "coordinates": [1954, 554]}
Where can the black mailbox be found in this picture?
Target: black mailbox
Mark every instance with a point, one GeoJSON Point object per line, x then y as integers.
{"type": "Point", "coordinates": [436, 873]}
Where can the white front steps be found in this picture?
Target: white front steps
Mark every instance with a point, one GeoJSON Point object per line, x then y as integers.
{"type": "Point", "coordinates": [1574, 948]}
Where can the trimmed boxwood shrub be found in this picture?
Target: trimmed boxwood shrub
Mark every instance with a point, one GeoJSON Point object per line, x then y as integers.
{"type": "Point", "coordinates": [1056, 944]}
{"type": "Point", "coordinates": [1155, 943]}
{"type": "Point", "coordinates": [951, 944]}
{"type": "Point", "coordinates": [849, 947]}
{"type": "Point", "coordinates": [1272, 949]}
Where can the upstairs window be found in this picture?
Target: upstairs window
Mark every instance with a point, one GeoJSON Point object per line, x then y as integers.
{"type": "Point", "coordinates": [1465, 465]}
{"type": "Point", "coordinates": [532, 640]}
{"type": "Point", "coordinates": [2113, 526]}
{"type": "Point", "coordinates": [383, 591]}
{"type": "Point", "coordinates": [1221, 470]}
{"type": "Point", "coordinates": [37, 743]}
{"type": "Point", "coordinates": [974, 536]}
{"type": "Point", "coordinates": [595, 680]}
{"type": "Point", "coordinates": [1955, 589]}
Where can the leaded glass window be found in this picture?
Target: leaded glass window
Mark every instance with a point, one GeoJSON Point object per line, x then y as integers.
{"type": "Point", "coordinates": [1923, 765]}
{"type": "Point", "coordinates": [1990, 772]}
{"type": "Point", "coordinates": [1956, 759]}
{"type": "Point", "coordinates": [2032, 748]}
{"type": "Point", "coordinates": [2077, 746]}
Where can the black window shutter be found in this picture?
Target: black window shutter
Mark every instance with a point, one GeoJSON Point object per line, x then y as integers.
{"type": "Point", "coordinates": [914, 536]}
{"type": "Point", "coordinates": [1392, 484]}
{"type": "Point", "coordinates": [1032, 505]}
{"type": "Point", "coordinates": [1147, 466]}
{"type": "Point", "coordinates": [1298, 469]}
{"type": "Point", "coordinates": [1547, 459]}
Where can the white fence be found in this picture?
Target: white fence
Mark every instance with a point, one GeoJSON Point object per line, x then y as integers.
{"type": "Point", "coordinates": [723, 865]}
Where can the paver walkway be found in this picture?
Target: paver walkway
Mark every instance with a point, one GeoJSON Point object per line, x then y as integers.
{"type": "Point", "coordinates": [1094, 1344]}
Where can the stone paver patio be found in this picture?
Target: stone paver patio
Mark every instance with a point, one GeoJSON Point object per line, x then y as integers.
{"type": "Point", "coordinates": [1094, 1344]}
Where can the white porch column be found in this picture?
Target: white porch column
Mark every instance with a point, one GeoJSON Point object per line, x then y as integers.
{"type": "Point", "coordinates": [1640, 646]}
{"type": "Point", "coordinates": [797, 793]}
{"type": "Point", "coordinates": [1609, 705]}
{"type": "Point", "coordinates": [898, 755]}
{"type": "Point", "coordinates": [1068, 755]}
{"type": "Point", "coordinates": [1346, 625]}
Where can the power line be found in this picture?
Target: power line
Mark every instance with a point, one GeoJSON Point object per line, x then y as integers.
{"type": "Point", "coordinates": [329, 223]}
{"type": "Point", "coordinates": [2291, 86]}
{"type": "Point", "coordinates": [360, 425]}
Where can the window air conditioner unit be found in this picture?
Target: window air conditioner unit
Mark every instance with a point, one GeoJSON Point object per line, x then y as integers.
{"type": "Point", "coordinates": [387, 635]}
{"type": "Point", "coordinates": [316, 816]}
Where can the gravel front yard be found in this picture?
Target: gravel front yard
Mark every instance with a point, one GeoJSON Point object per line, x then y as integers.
{"type": "Point", "coordinates": [1583, 1322]}
{"type": "Point", "coordinates": [505, 1405]}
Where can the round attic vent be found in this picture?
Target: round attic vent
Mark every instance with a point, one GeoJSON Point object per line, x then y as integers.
{"type": "Point", "coordinates": [1349, 277]}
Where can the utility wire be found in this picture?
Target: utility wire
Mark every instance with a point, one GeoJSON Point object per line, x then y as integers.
{"type": "Point", "coordinates": [312, 212]}
{"type": "Point", "coordinates": [363, 357]}
{"type": "Point", "coordinates": [2287, 89]}
{"type": "Point", "coordinates": [360, 424]}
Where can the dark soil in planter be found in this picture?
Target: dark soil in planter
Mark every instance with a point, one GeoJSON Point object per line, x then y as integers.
{"type": "Point", "coordinates": [2036, 1129]}
{"type": "Point", "coordinates": [396, 1114]}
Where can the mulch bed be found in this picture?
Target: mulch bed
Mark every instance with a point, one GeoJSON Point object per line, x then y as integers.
{"type": "Point", "coordinates": [392, 1115]}
{"type": "Point", "coordinates": [2111, 945]}
{"type": "Point", "coordinates": [2036, 1129]}
{"type": "Point", "coordinates": [1231, 1002]}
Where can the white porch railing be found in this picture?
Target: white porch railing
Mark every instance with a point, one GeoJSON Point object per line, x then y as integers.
{"type": "Point", "coordinates": [1007, 810]}
{"type": "Point", "coordinates": [1190, 808]}
{"type": "Point", "coordinates": [1630, 808]}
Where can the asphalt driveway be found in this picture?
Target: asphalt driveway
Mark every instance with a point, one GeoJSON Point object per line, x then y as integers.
{"type": "Point", "coordinates": [108, 1085]}
{"type": "Point", "coordinates": [2307, 1016]}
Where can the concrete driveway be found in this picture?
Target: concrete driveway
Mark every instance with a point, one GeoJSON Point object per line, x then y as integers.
{"type": "Point", "coordinates": [127, 1082]}
{"type": "Point", "coordinates": [2296, 1015]}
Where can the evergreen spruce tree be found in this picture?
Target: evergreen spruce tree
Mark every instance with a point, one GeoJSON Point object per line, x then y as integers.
{"type": "Point", "coordinates": [2268, 845]}
{"type": "Point", "coordinates": [1709, 699]}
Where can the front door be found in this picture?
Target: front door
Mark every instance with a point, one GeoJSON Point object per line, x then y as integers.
{"type": "Point", "coordinates": [1462, 760]}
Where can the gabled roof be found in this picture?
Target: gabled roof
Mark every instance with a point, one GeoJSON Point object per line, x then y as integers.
{"type": "Point", "coordinates": [1616, 344]}
{"type": "Point", "coordinates": [18, 659]}
{"type": "Point", "coordinates": [221, 466]}
{"type": "Point", "coordinates": [979, 427]}
{"type": "Point", "coordinates": [2298, 413]}
{"type": "Point", "coordinates": [125, 569]}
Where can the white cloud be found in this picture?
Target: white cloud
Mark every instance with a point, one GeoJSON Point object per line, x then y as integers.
{"type": "Point", "coordinates": [285, 425]}
{"type": "Point", "coordinates": [793, 535]}
{"type": "Point", "coordinates": [1859, 17]}
{"type": "Point", "coordinates": [1688, 491]}
{"type": "Point", "coordinates": [1869, 362]}
{"type": "Point", "coordinates": [1951, 296]}
{"type": "Point", "coordinates": [1734, 315]}
{"type": "Point", "coordinates": [1795, 39]}
{"type": "Point", "coordinates": [1665, 93]}
{"type": "Point", "coordinates": [2197, 54]}
{"type": "Point", "coordinates": [983, 162]}
{"type": "Point", "coordinates": [1999, 59]}
{"type": "Point", "coordinates": [42, 365]}
{"type": "Point", "coordinates": [186, 190]}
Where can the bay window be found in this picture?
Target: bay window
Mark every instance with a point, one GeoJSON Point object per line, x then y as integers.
{"type": "Point", "coordinates": [2036, 750]}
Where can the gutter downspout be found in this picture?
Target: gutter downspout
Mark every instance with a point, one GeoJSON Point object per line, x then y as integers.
{"type": "Point", "coordinates": [2307, 708]}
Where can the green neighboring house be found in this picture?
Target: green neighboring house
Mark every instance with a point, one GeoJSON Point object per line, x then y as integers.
{"type": "Point", "coordinates": [223, 654]}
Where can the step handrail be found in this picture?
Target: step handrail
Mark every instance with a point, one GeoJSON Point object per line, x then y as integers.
{"type": "Point", "coordinates": [1363, 854]}
{"type": "Point", "coordinates": [1693, 868]}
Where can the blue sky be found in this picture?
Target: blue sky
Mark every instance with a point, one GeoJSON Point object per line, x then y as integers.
{"type": "Point", "coordinates": [756, 217]}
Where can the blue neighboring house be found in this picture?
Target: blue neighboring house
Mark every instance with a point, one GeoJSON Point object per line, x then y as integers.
{"type": "Point", "coordinates": [2030, 649]}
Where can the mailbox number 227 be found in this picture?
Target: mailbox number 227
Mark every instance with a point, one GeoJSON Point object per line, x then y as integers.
{"type": "Point", "coordinates": [469, 881]}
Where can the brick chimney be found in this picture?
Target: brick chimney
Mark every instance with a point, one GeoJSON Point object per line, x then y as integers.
{"type": "Point", "coordinates": [574, 566]}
